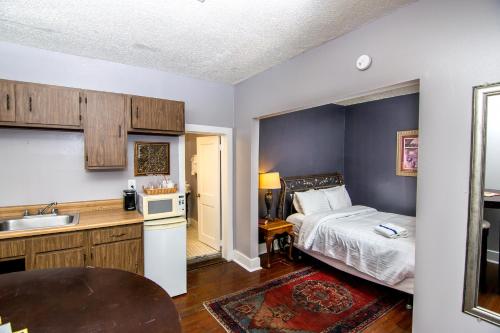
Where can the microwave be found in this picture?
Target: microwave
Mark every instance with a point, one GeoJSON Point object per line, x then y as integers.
{"type": "Point", "coordinates": [161, 206]}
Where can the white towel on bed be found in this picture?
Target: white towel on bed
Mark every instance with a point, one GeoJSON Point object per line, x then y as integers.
{"type": "Point", "coordinates": [390, 230]}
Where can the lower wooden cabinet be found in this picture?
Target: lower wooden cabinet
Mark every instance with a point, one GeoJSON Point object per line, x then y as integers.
{"type": "Point", "coordinates": [124, 255]}
{"type": "Point", "coordinates": [115, 247]}
{"type": "Point", "coordinates": [60, 259]}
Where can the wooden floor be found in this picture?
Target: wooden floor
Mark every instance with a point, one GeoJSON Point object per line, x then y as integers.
{"type": "Point", "coordinates": [224, 278]}
{"type": "Point", "coordinates": [490, 297]}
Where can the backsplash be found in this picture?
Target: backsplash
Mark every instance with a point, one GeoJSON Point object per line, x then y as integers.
{"type": "Point", "coordinates": [42, 166]}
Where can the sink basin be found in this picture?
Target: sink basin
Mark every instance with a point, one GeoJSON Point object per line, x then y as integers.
{"type": "Point", "coordinates": [39, 221]}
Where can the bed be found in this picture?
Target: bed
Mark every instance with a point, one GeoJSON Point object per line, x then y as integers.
{"type": "Point", "coordinates": [344, 238]}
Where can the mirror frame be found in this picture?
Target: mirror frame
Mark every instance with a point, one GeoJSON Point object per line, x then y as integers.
{"type": "Point", "coordinates": [476, 204]}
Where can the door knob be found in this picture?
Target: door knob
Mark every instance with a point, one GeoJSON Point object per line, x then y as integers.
{"type": "Point", "coordinates": [198, 195]}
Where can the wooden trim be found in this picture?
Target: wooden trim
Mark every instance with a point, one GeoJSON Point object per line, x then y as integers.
{"type": "Point", "coordinates": [40, 126]}
{"type": "Point", "coordinates": [154, 132]}
{"type": "Point", "coordinates": [66, 207]}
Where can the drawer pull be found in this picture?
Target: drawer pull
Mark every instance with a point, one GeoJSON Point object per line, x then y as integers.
{"type": "Point", "coordinates": [8, 102]}
{"type": "Point", "coordinates": [30, 104]}
{"type": "Point", "coordinates": [119, 235]}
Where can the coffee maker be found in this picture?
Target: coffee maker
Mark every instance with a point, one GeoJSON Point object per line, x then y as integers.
{"type": "Point", "coordinates": [129, 199]}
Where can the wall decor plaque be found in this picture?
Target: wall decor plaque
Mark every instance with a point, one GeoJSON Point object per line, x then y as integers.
{"type": "Point", "coordinates": [151, 158]}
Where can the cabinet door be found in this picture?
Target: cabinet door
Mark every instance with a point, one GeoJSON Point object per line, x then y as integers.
{"type": "Point", "coordinates": [105, 133]}
{"type": "Point", "coordinates": [60, 259]}
{"type": "Point", "coordinates": [7, 101]}
{"type": "Point", "coordinates": [124, 255]}
{"type": "Point", "coordinates": [47, 105]}
{"type": "Point", "coordinates": [157, 114]}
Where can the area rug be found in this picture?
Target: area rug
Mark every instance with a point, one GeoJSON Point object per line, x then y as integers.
{"type": "Point", "coordinates": [308, 300]}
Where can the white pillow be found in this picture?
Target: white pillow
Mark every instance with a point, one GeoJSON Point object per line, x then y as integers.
{"type": "Point", "coordinates": [296, 203]}
{"type": "Point", "coordinates": [312, 202]}
{"type": "Point", "coordinates": [338, 197]}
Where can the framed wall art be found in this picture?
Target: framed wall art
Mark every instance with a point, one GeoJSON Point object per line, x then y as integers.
{"type": "Point", "coordinates": [151, 158]}
{"type": "Point", "coordinates": [407, 153]}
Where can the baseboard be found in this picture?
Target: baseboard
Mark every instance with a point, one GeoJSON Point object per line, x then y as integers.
{"type": "Point", "coordinates": [250, 264]}
{"type": "Point", "coordinates": [492, 256]}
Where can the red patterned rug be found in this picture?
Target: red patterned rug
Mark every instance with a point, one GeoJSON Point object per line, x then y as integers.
{"type": "Point", "coordinates": [305, 301]}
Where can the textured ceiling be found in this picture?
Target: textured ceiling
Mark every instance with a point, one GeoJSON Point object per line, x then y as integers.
{"type": "Point", "coordinates": [220, 40]}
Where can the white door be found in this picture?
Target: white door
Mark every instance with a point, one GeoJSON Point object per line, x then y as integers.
{"type": "Point", "coordinates": [207, 149]}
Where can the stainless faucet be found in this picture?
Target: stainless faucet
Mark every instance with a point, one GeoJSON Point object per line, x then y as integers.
{"type": "Point", "coordinates": [42, 211]}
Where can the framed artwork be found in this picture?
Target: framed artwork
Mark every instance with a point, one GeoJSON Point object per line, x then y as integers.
{"type": "Point", "coordinates": [151, 158]}
{"type": "Point", "coordinates": [407, 153]}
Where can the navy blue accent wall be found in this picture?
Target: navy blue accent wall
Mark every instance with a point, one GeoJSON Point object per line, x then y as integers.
{"type": "Point", "coordinates": [370, 154]}
{"type": "Point", "coordinates": [301, 143]}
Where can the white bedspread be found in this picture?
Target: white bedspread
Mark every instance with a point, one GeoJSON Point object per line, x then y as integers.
{"type": "Point", "coordinates": [347, 235]}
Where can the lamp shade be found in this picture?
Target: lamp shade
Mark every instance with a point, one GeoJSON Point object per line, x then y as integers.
{"type": "Point", "coordinates": [269, 181]}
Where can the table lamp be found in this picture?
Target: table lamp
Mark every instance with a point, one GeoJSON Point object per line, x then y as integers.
{"type": "Point", "coordinates": [269, 181]}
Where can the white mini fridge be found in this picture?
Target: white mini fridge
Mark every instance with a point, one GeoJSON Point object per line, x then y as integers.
{"type": "Point", "coordinates": [165, 253]}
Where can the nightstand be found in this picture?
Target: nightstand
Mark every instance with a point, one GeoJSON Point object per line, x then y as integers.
{"type": "Point", "coordinates": [269, 231]}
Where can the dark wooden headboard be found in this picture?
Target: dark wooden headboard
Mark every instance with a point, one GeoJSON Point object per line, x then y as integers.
{"type": "Point", "coordinates": [290, 185]}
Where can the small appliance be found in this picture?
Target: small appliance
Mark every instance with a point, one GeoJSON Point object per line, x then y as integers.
{"type": "Point", "coordinates": [160, 206]}
{"type": "Point", "coordinates": [129, 199]}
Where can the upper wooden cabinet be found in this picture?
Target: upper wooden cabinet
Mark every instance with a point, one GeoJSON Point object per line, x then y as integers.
{"type": "Point", "coordinates": [47, 105]}
{"type": "Point", "coordinates": [105, 131]}
{"type": "Point", "coordinates": [7, 101]}
{"type": "Point", "coordinates": [157, 114]}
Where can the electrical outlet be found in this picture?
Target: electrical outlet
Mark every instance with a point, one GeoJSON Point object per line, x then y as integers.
{"type": "Point", "coordinates": [131, 184]}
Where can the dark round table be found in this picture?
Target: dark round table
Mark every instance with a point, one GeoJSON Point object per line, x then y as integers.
{"type": "Point", "coordinates": [85, 300]}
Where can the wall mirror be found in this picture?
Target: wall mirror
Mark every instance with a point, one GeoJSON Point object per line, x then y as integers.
{"type": "Point", "coordinates": [482, 271]}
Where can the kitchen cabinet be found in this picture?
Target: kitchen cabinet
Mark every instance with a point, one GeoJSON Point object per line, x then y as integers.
{"type": "Point", "coordinates": [57, 251]}
{"type": "Point", "coordinates": [47, 105]}
{"type": "Point", "coordinates": [156, 114]}
{"type": "Point", "coordinates": [124, 255]}
{"type": "Point", "coordinates": [105, 118]}
{"type": "Point", "coordinates": [105, 131]}
{"type": "Point", "coordinates": [118, 247]}
{"type": "Point", "coordinates": [60, 259]}
{"type": "Point", "coordinates": [7, 101]}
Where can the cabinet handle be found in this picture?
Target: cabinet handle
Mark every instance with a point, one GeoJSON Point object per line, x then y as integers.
{"type": "Point", "coordinates": [8, 102]}
{"type": "Point", "coordinates": [30, 104]}
{"type": "Point", "coordinates": [119, 131]}
{"type": "Point", "coordinates": [119, 235]}
{"type": "Point", "coordinates": [137, 112]}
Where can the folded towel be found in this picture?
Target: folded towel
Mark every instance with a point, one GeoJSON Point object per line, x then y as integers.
{"type": "Point", "coordinates": [390, 230]}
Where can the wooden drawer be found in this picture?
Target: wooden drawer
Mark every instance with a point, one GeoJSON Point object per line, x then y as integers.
{"type": "Point", "coordinates": [60, 259]}
{"type": "Point", "coordinates": [58, 242]}
{"type": "Point", "coordinates": [109, 235]}
{"type": "Point", "coordinates": [12, 248]}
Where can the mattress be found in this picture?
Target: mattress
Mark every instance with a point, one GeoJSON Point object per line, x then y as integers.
{"type": "Point", "coordinates": [347, 235]}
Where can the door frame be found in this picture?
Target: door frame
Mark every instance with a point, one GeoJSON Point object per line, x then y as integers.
{"type": "Point", "coordinates": [227, 178]}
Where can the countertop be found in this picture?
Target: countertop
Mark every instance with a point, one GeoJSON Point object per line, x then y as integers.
{"type": "Point", "coordinates": [89, 219]}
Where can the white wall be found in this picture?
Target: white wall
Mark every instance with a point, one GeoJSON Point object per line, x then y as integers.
{"type": "Point", "coordinates": [492, 172]}
{"type": "Point", "coordinates": [40, 166]}
{"type": "Point", "coordinates": [43, 166]}
{"type": "Point", "coordinates": [450, 46]}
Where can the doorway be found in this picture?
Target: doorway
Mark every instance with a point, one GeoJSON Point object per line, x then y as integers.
{"type": "Point", "coordinates": [203, 196]}
{"type": "Point", "coordinates": [226, 181]}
